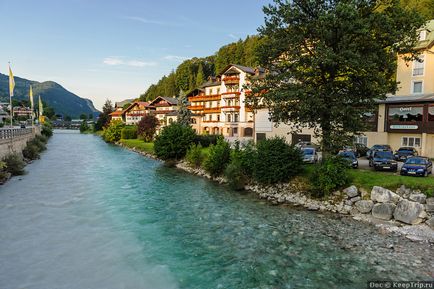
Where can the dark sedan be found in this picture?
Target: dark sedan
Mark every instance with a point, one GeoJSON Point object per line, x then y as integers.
{"type": "Point", "coordinates": [416, 166]}
{"type": "Point", "coordinates": [383, 161]}
{"type": "Point", "coordinates": [404, 153]}
{"type": "Point", "coordinates": [350, 157]}
{"type": "Point", "coordinates": [378, 148]}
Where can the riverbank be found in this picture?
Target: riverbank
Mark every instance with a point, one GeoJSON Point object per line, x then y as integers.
{"type": "Point", "coordinates": [352, 203]}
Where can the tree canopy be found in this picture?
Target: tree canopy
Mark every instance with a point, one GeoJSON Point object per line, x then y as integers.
{"type": "Point", "coordinates": [330, 60]}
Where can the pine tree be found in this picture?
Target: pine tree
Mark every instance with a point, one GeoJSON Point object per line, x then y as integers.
{"type": "Point", "coordinates": [184, 114]}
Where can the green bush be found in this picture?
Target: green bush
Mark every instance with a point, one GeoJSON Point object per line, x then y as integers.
{"type": "Point", "coordinates": [83, 126]}
{"type": "Point", "coordinates": [247, 159]}
{"type": "Point", "coordinates": [38, 143]}
{"type": "Point", "coordinates": [195, 155]}
{"type": "Point", "coordinates": [173, 141]}
{"type": "Point", "coordinates": [276, 161]}
{"type": "Point", "coordinates": [218, 158]}
{"type": "Point", "coordinates": [14, 164]}
{"type": "Point", "coordinates": [42, 138]}
{"type": "Point", "coordinates": [329, 175]}
{"type": "Point", "coordinates": [112, 133]}
{"type": "Point", "coordinates": [3, 173]}
{"type": "Point", "coordinates": [205, 140]}
{"type": "Point", "coordinates": [234, 172]}
{"type": "Point", "coordinates": [31, 151]}
{"type": "Point", "coordinates": [47, 130]}
{"type": "Point", "coordinates": [129, 132]}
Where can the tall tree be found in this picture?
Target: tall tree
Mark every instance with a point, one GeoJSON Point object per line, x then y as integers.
{"type": "Point", "coordinates": [330, 60]}
{"type": "Point", "coordinates": [184, 114]}
{"type": "Point", "coordinates": [104, 117]}
{"type": "Point", "coordinates": [200, 77]}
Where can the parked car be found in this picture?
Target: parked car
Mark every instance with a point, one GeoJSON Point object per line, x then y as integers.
{"type": "Point", "coordinates": [361, 149]}
{"type": "Point", "coordinates": [310, 155]}
{"type": "Point", "coordinates": [350, 156]}
{"type": "Point", "coordinates": [405, 152]}
{"type": "Point", "coordinates": [378, 148]}
{"type": "Point", "coordinates": [416, 166]}
{"type": "Point", "coordinates": [303, 144]}
{"type": "Point", "coordinates": [383, 160]}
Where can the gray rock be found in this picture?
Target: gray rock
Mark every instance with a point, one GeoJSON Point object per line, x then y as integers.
{"type": "Point", "coordinates": [348, 202]}
{"type": "Point", "coordinates": [430, 222]}
{"type": "Point", "coordinates": [429, 207]}
{"type": "Point", "coordinates": [382, 195]}
{"type": "Point", "coordinates": [408, 212]}
{"type": "Point", "coordinates": [403, 191]}
{"type": "Point", "coordinates": [364, 193]}
{"type": "Point", "coordinates": [351, 191]}
{"type": "Point", "coordinates": [364, 206]}
{"type": "Point", "coordinates": [313, 207]}
{"type": "Point", "coordinates": [420, 198]}
{"type": "Point", "coordinates": [423, 215]}
{"type": "Point", "coordinates": [430, 201]}
{"type": "Point", "coordinates": [383, 211]}
{"type": "Point", "coordinates": [355, 199]}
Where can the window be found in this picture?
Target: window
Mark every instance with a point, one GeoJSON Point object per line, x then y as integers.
{"type": "Point", "coordinates": [418, 66]}
{"type": "Point", "coordinates": [218, 117]}
{"type": "Point", "coordinates": [406, 113]}
{"type": "Point", "coordinates": [228, 117]}
{"type": "Point", "coordinates": [410, 141]}
{"type": "Point", "coordinates": [417, 87]}
{"type": "Point", "coordinates": [236, 118]}
{"type": "Point", "coordinates": [361, 139]}
{"type": "Point", "coordinates": [218, 90]}
{"type": "Point", "coordinates": [431, 113]}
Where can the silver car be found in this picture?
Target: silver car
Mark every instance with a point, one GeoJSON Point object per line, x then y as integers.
{"type": "Point", "coordinates": [310, 155]}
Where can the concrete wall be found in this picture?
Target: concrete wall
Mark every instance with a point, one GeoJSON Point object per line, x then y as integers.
{"type": "Point", "coordinates": [17, 143]}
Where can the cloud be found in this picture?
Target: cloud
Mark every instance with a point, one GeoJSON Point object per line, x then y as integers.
{"type": "Point", "coordinates": [114, 61]}
{"type": "Point", "coordinates": [233, 36]}
{"type": "Point", "coordinates": [175, 57]}
{"type": "Point", "coordinates": [150, 21]}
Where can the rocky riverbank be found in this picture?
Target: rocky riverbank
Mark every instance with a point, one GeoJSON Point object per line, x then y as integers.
{"type": "Point", "coordinates": [406, 212]}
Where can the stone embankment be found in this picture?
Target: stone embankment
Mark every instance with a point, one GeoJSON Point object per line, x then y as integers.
{"type": "Point", "coordinates": [14, 140]}
{"type": "Point", "coordinates": [405, 211]}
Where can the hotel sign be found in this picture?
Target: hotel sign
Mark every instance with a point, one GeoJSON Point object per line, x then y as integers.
{"type": "Point", "coordinates": [403, 126]}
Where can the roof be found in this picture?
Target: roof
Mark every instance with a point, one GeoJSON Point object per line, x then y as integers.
{"type": "Point", "coordinates": [116, 113]}
{"type": "Point", "coordinates": [170, 100]}
{"type": "Point", "coordinates": [429, 41]}
{"type": "Point", "coordinates": [408, 98]}
{"type": "Point", "coordinates": [123, 102]}
{"type": "Point", "coordinates": [245, 69]}
{"type": "Point", "coordinates": [212, 81]}
{"type": "Point", "coordinates": [142, 103]}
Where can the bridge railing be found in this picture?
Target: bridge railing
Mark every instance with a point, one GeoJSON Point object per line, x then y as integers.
{"type": "Point", "coordinates": [8, 133]}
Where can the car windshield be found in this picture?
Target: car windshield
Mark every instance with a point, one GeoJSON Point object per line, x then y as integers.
{"type": "Point", "coordinates": [378, 147]}
{"type": "Point", "coordinates": [308, 151]}
{"type": "Point", "coordinates": [405, 150]}
{"type": "Point", "coordinates": [347, 155]}
{"type": "Point", "coordinates": [415, 161]}
{"type": "Point", "coordinates": [384, 155]}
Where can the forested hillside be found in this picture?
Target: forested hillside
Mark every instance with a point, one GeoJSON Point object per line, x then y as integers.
{"type": "Point", "coordinates": [193, 72]}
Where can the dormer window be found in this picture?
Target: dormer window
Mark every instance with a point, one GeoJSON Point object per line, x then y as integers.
{"type": "Point", "coordinates": [422, 35]}
{"type": "Point", "coordinates": [418, 66]}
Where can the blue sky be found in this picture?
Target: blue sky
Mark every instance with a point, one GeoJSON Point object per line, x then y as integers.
{"type": "Point", "coordinates": [116, 49]}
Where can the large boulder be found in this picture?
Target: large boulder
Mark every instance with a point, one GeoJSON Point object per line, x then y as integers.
{"type": "Point", "coordinates": [403, 191]}
{"type": "Point", "coordinates": [364, 206]}
{"type": "Point", "coordinates": [382, 195]}
{"type": "Point", "coordinates": [429, 207]}
{"type": "Point", "coordinates": [419, 197]}
{"type": "Point", "coordinates": [351, 191]}
{"type": "Point", "coordinates": [383, 211]}
{"type": "Point", "coordinates": [408, 212]}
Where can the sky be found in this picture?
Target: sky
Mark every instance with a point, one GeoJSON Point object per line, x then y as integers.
{"type": "Point", "coordinates": [115, 49]}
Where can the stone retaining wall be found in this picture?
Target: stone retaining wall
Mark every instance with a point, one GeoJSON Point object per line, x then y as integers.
{"type": "Point", "coordinates": [17, 142]}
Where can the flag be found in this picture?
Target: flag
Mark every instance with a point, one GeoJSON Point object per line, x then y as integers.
{"type": "Point", "coordinates": [11, 82]}
{"type": "Point", "coordinates": [41, 109]}
{"type": "Point", "coordinates": [31, 97]}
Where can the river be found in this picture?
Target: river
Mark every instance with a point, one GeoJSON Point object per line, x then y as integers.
{"type": "Point", "coordinates": [93, 215]}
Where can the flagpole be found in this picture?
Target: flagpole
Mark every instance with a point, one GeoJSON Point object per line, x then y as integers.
{"type": "Point", "coordinates": [10, 100]}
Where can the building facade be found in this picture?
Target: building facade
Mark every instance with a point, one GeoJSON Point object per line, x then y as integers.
{"type": "Point", "coordinates": [134, 113]}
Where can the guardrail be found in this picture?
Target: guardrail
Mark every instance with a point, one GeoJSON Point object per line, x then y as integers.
{"type": "Point", "coordinates": [8, 133]}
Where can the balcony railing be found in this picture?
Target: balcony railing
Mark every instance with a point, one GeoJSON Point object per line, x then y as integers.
{"type": "Point", "coordinates": [231, 108]}
{"type": "Point", "coordinates": [231, 94]}
{"type": "Point", "coordinates": [204, 97]}
{"type": "Point", "coordinates": [8, 133]}
{"type": "Point", "coordinates": [212, 109]}
{"type": "Point", "coordinates": [231, 80]}
{"type": "Point", "coordinates": [196, 107]}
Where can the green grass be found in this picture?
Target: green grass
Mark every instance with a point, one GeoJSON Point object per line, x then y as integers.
{"type": "Point", "coordinates": [367, 179]}
{"type": "Point", "coordinates": [147, 147]}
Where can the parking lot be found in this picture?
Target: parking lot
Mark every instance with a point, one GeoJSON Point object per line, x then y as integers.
{"type": "Point", "coordinates": [364, 165]}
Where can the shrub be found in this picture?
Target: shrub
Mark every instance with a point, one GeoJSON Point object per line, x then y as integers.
{"type": "Point", "coordinates": [31, 151]}
{"type": "Point", "coordinates": [205, 140]}
{"type": "Point", "coordinates": [195, 155]}
{"type": "Point", "coordinates": [147, 127]}
{"type": "Point", "coordinates": [218, 158]}
{"type": "Point", "coordinates": [174, 141]}
{"type": "Point", "coordinates": [330, 175]}
{"type": "Point", "coordinates": [234, 172]}
{"type": "Point", "coordinates": [42, 138]}
{"type": "Point", "coordinates": [38, 143]}
{"type": "Point", "coordinates": [83, 126]}
{"type": "Point", "coordinates": [3, 173]}
{"type": "Point", "coordinates": [129, 132]}
{"type": "Point", "coordinates": [14, 164]}
{"type": "Point", "coordinates": [47, 130]}
{"type": "Point", "coordinates": [276, 161]}
{"type": "Point", "coordinates": [112, 133]}
{"type": "Point", "coordinates": [247, 158]}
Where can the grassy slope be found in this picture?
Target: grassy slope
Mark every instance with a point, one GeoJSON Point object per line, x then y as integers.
{"type": "Point", "coordinates": [147, 147]}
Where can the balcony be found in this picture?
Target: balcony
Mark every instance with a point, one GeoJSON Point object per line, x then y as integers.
{"type": "Point", "coordinates": [204, 97]}
{"type": "Point", "coordinates": [212, 109]}
{"type": "Point", "coordinates": [195, 107]}
{"type": "Point", "coordinates": [231, 94]}
{"type": "Point", "coordinates": [231, 80]}
{"type": "Point", "coordinates": [231, 108]}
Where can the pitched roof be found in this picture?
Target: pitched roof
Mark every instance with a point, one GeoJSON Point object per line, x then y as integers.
{"type": "Point", "coordinates": [117, 112]}
{"type": "Point", "coordinates": [429, 40]}
{"type": "Point", "coordinates": [142, 103]}
{"type": "Point", "coordinates": [170, 100]}
{"type": "Point", "coordinates": [245, 69]}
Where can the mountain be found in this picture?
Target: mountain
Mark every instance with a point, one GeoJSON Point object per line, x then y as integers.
{"type": "Point", "coordinates": [54, 95]}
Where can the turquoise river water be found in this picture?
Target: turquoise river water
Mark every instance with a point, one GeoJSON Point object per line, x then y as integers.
{"type": "Point", "coordinates": [92, 215]}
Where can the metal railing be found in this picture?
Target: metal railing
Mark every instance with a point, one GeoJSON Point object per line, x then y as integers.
{"type": "Point", "coordinates": [8, 133]}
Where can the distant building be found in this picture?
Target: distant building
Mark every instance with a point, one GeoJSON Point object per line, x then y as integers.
{"type": "Point", "coordinates": [165, 109]}
{"type": "Point", "coordinates": [134, 113]}
{"type": "Point", "coordinates": [22, 111]}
